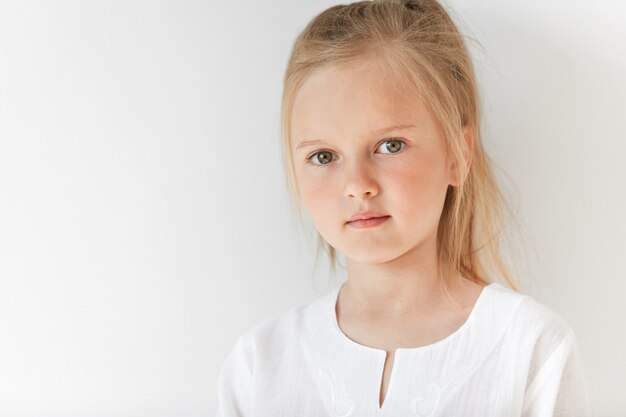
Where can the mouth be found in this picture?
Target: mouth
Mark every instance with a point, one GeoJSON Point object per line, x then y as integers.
{"type": "Point", "coordinates": [368, 222]}
{"type": "Point", "coordinates": [364, 215]}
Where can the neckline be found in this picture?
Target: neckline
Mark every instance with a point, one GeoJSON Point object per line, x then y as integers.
{"type": "Point", "coordinates": [476, 309]}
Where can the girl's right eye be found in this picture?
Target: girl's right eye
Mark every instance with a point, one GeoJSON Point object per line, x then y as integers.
{"type": "Point", "coordinates": [324, 157]}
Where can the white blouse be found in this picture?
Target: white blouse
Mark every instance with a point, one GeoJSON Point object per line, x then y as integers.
{"type": "Point", "coordinates": [512, 357]}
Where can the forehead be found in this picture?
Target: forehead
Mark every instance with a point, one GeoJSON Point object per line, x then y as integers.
{"type": "Point", "coordinates": [356, 98]}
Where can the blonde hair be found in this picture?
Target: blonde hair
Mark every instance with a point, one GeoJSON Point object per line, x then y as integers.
{"type": "Point", "coordinates": [415, 39]}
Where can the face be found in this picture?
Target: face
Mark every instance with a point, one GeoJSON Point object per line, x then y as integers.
{"type": "Point", "coordinates": [377, 148]}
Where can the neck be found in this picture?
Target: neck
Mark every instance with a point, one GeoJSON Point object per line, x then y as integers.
{"type": "Point", "coordinates": [398, 287]}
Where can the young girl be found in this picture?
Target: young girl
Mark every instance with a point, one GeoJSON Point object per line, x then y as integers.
{"type": "Point", "coordinates": [381, 135]}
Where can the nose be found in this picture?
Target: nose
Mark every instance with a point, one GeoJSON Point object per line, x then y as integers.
{"type": "Point", "coordinates": [360, 182]}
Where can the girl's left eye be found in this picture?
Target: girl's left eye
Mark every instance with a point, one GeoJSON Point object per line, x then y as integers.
{"type": "Point", "coordinates": [393, 145]}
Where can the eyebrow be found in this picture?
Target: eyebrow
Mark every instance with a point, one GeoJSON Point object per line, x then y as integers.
{"type": "Point", "coordinates": [378, 132]}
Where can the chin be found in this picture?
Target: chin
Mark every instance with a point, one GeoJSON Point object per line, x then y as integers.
{"type": "Point", "coordinates": [373, 257]}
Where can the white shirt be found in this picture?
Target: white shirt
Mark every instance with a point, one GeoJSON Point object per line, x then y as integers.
{"type": "Point", "coordinates": [512, 357]}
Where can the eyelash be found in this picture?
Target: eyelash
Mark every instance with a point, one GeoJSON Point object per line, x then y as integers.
{"type": "Point", "coordinates": [310, 157]}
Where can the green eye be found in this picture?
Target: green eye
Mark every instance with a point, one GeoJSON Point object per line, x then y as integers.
{"type": "Point", "coordinates": [393, 145]}
{"type": "Point", "coordinates": [321, 158]}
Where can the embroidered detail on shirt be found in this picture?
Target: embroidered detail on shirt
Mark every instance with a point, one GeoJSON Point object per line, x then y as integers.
{"type": "Point", "coordinates": [426, 406]}
{"type": "Point", "coordinates": [340, 405]}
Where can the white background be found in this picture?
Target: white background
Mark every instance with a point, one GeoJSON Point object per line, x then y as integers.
{"type": "Point", "coordinates": [144, 222]}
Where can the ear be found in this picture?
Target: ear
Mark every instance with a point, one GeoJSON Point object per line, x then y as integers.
{"type": "Point", "coordinates": [458, 176]}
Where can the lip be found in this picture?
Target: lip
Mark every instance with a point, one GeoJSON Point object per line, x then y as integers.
{"type": "Point", "coordinates": [367, 219]}
{"type": "Point", "coordinates": [364, 215]}
{"type": "Point", "coordinates": [367, 223]}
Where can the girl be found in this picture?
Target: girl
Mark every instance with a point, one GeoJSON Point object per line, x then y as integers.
{"type": "Point", "coordinates": [381, 135]}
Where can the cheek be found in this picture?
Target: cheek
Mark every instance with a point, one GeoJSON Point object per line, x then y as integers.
{"type": "Point", "coordinates": [317, 194]}
{"type": "Point", "coordinates": [420, 188]}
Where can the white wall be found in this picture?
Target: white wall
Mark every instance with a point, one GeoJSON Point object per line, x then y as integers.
{"type": "Point", "coordinates": [143, 216]}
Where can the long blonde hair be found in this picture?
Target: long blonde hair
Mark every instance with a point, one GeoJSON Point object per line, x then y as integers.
{"type": "Point", "coordinates": [417, 40]}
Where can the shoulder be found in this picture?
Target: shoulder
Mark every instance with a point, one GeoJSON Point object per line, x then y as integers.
{"type": "Point", "coordinates": [524, 313]}
{"type": "Point", "coordinates": [544, 349]}
{"type": "Point", "coordinates": [524, 310]}
{"type": "Point", "coordinates": [531, 328]}
{"type": "Point", "coordinates": [285, 329]}
{"type": "Point", "coordinates": [265, 350]}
